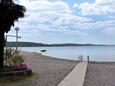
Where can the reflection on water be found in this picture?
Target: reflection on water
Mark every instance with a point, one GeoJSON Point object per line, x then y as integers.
{"type": "Point", "coordinates": [98, 53]}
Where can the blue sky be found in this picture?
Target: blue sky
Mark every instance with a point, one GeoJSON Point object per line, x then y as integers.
{"type": "Point", "coordinates": [67, 21]}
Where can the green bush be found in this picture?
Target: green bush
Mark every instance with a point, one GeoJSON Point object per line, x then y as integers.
{"type": "Point", "coordinates": [29, 72]}
{"type": "Point", "coordinates": [13, 57]}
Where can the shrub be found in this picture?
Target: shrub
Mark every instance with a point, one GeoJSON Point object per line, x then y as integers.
{"type": "Point", "coordinates": [21, 67]}
{"type": "Point", "coordinates": [29, 72]}
{"type": "Point", "coordinates": [13, 57]}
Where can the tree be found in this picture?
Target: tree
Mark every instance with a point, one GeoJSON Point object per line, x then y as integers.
{"type": "Point", "coordinates": [9, 13]}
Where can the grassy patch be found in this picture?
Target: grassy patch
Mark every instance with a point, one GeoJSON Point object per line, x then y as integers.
{"type": "Point", "coordinates": [7, 69]}
{"type": "Point", "coordinates": [15, 78]}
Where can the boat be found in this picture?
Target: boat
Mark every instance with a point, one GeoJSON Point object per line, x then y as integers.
{"type": "Point", "coordinates": [43, 50]}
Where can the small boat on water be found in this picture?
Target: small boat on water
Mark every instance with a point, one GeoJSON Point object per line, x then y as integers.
{"type": "Point", "coordinates": [43, 50]}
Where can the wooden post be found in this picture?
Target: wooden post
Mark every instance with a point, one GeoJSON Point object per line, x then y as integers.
{"type": "Point", "coordinates": [88, 59]}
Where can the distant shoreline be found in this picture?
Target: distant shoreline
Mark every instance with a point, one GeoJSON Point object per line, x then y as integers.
{"type": "Point", "coordinates": [32, 44]}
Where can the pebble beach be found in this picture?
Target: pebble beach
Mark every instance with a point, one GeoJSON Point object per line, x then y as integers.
{"type": "Point", "coordinates": [51, 71]}
{"type": "Point", "coordinates": [100, 74]}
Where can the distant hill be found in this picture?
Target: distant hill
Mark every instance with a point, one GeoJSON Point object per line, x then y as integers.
{"type": "Point", "coordinates": [31, 44]}
{"type": "Point", "coordinates": [24, 44]}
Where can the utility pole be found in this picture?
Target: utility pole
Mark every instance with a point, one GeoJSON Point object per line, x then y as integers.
{"type": "Point", "coordinates": [17, 29]}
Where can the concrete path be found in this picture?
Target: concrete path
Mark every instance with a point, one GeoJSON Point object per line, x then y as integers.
{"type": "Point", "coordinates": [76, 76]}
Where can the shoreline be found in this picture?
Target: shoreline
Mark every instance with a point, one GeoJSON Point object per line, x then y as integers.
{"type": "Point", "coordinates": [50, 70]}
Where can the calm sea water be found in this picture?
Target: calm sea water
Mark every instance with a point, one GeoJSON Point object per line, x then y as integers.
{"type": "Point", "coordinates": [96, 53]}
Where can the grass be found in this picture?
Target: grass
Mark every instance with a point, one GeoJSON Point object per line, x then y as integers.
{"type": "Point", "coordinates": [15, 78]}
{"type": "Point", "coordinates": [6, 69]}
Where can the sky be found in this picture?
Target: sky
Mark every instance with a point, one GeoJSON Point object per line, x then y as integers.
{"type": "Point", "coordinates": [67, 21]}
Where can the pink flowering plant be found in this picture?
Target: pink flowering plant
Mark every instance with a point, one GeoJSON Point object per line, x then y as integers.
{"type": "Point", "coordinates": [21, 67]}
{"type": "Point", "coordinates": [14, 61]}
{"type": "Point", "coordinates": [13, 58]}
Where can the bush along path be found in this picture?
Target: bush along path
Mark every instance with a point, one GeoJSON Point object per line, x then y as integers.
{"type": "Point", "coordinates": [14, 63]}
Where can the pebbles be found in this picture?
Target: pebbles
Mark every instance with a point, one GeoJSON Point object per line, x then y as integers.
{"type": "Point", "coordinates": [51, 70]}
{"type": "Point", "coordinates": [100, 74]}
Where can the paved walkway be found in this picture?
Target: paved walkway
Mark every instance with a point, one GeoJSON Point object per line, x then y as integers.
{"type": "Point", "coordinates": [76, 76]}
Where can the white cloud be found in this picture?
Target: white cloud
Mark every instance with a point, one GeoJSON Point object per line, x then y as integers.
{"type": "Point", "coordinates": [101, 2]}
{"type": "Point", "coordinates": [43, 15]}
{"type": "Point", "coordinates": [69, 21]}
{"type": "Point", "coordinates": [43, 11]}
{"type": "Point", "coordinates": [47, 20]}
{"type": "Point", "coordinates": [109, 31]}
{"type": "Point", "coordinates": [46, 6]}
{"type": "Point", "coordinates": [99, 7]}
{"type": "Point", "coordinates": [76, 33]}
{"type": "Point", "coordinates": [75, 6]}
{"type": "Point", "coordinates": [96, 25]}
{"type": "Point", "coordinates": [57, 17]}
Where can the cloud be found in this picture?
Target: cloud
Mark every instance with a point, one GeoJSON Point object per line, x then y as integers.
{"type": "Point", "coordinates": [43, 11]}
{"type": "Point", "coordinates": [75, 6]}
{"type": "Point", "coordinates": [46, 20]}
{"type": "Point", "coordinates": [69, 21]}
{"type": "Point", "coordinates": [99, 7]}
{"type": "Point", "coordinates": [42, 6]}
{"type": "Point", "coordinates": [43, 15]}
{"type": "Point", "coordinates": [57, 17]}
{"type": "Point", "coordinates": [76, 33]}
{"type": "Point", "coordinates": [110, 31]}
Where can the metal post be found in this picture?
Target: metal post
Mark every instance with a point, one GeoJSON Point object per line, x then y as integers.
{"type": "Point", "coordinates": [17, 29]}
{"type": "Point", "coordinates": [88, 59]}
{"type": "Point", "coordinates": [13, 36]}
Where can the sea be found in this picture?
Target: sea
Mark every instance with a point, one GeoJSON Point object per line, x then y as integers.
{"type": "Point", "coordinates": [95, 53]}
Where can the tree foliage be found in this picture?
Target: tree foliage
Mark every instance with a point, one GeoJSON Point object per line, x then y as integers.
{"type": "Point", "coordinates": [9, 13]}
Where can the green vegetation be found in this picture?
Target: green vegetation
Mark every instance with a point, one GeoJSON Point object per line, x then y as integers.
{"type": "Point", "coordinates": [14, 65]}
{"type": "Point", "coordinates": [9, 13]}
{"type": "Point", "coordinates": [15, 78]}
{"type": "Point", "coordinates": [13, 57]}
{"type": "Point", "coordinates": [31, 44]}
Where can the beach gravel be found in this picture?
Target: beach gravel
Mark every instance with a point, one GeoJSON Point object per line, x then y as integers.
{"type": "Point", "coordinates": [50, 71]}
{"type": "Point", "coordinates": [100, 74]}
